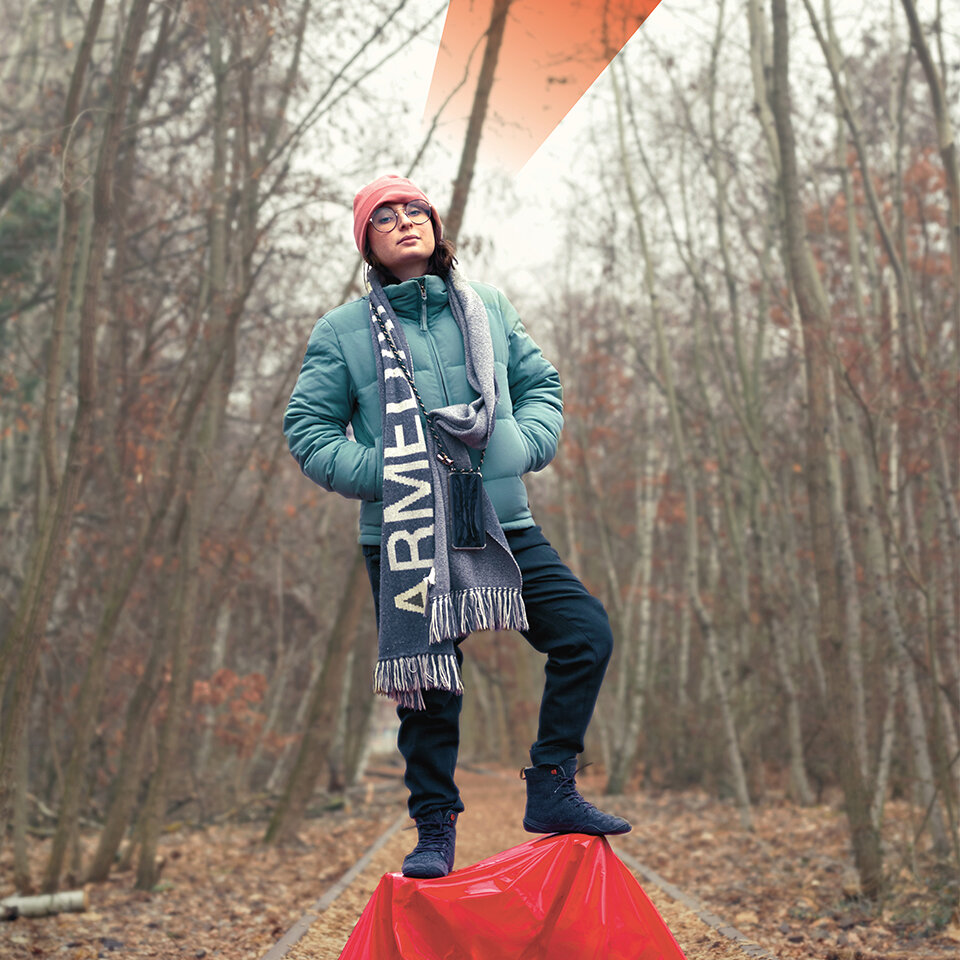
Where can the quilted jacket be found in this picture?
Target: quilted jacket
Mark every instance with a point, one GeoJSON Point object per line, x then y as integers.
{"type": "Point", "coordinates": [338, 387]}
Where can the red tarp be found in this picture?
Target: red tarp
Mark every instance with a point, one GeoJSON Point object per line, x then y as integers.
{"type": "Point", "coordinates": [562, 897]}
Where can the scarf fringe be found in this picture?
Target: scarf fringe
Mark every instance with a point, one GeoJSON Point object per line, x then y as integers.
{"type": "Point", "coordinates": [404, 678]}
{"type": "Point", "coordinates": [479, 608]}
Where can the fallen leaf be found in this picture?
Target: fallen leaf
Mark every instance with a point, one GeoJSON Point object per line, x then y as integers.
{"type": "Point", "coordinates": [951, 932]}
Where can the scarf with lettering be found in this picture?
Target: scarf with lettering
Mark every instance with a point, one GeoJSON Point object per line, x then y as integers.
{"type": "Point", "coordinates": [432, 594]}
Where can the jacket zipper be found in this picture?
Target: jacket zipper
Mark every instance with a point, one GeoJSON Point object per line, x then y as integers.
{"type": "Point", "coordinates": [429, 338]}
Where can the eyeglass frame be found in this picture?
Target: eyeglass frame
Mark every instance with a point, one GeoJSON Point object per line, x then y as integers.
{"type": "Point", "coordinates": [396, 216]}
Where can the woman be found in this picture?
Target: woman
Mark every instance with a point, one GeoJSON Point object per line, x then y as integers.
{"type": "Point", "coordinates": [423, 368]}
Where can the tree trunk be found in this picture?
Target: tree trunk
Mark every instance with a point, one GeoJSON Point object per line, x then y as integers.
{"type": "Point", "coordinates": [279, 772]}
{"type": "Point", "coordinates": [126, 782]}
{"type": "Point", "coordinates": [44, 905]}
{"type": "Point", "coordinates": [185, 607]}
{"type": "Point", "coordinates": [324, 700]}
{"type": "Point", "coordinates": [72, 207]}
{"type": "Point", "coordinates": [50, 540]}
{"type": "Point", "coordinates": [847, 585]}
{"type": "Point", "coordinates": [628, 744]}
{"type": "Point", "coordinates": [691, 574]}
{"type": "Point", "coordinates": [200, 483]}
{"type": "Point", "coordinates": [888, 732]}
{"type": "Point", "coordinates": [360, 706]}
{"type": "Point", "coordinates": [947, 145]}
{"type": "Point", "coordinates": [898, 263]}
{"type": "Point", "coordinates": [453, 219]}
{"type": "Point", "coordinates": [876, 569]}
{"type": "Point", "coordinates": [775, 626]}
{"type": "Point", "coordinates": [21, 859]}
{"type": "Point", "coordinates": [815, 318]}
{"type": "Point", "coordinates": [221, 634]}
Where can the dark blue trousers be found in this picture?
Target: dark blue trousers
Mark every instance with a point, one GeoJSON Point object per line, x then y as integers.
{"type": "Point", "coordinates": [566, 623]}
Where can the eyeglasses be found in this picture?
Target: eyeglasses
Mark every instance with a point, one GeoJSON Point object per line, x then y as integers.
{"type": "Point", "coordinates": [384, 219]}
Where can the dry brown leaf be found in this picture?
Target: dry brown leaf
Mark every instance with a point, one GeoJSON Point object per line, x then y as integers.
{"type": "Point", "coordinates": [951, 932]}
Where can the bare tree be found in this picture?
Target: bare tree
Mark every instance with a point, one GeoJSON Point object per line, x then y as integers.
{"type": "Point", "coordinates": [478, 113]}
{"type": "Point", "coordinates": [22, 645]}
{"type": "Point", "coordinates": [816, 327]}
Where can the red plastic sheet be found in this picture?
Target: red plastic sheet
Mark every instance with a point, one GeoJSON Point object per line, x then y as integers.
{"type": "Point", "coordinates": [562, 897]}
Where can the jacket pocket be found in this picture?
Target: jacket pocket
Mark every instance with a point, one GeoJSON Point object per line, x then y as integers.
{"type": "Point", "coordinates": [510, 454]}
{"type": "Point", "coordinates": [377, 454]}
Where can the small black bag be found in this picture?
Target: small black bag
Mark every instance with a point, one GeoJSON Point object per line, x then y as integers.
{"type": "Point", "coordinates": [466, 512]}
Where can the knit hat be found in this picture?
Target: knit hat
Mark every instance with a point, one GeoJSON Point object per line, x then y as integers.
{"type": "Point", "coordinates": [387, 189]}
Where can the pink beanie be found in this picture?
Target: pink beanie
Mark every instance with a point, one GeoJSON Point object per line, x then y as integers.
{"type": "Point", "coordinates": [386, 189]}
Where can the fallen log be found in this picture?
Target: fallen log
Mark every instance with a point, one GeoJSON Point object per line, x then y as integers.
{"type": "Point", "coordinates": [43, 904]}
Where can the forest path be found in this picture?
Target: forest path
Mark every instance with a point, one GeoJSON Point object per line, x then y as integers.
{"type": "Point", "coordinates": [490, 824]}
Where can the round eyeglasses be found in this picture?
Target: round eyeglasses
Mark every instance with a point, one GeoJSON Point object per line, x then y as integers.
{"type": "Point", "coordinates": [384, 219]}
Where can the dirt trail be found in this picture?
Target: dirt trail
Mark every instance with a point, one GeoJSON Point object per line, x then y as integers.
{"type": "Point", "coordinates": [491, 823]}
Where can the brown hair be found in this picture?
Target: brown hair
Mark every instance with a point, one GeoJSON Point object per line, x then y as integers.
{"type": "Point", "coordinates": [439, 264]}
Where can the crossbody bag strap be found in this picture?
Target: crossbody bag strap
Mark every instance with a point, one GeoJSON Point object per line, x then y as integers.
{"type": "Point", "coordinates": [442, 454]}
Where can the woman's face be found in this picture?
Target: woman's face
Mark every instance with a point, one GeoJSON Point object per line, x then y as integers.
{"type": "Point", "coordinates": [406, 250]}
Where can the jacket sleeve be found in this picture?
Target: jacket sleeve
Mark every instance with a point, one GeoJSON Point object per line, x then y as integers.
{"type": "Point", "coordinates": [534, 389]}
{"type": "Point", "coordinates": [315, 422]}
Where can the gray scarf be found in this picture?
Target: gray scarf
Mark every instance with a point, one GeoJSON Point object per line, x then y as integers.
{"type": "Point", "coordinates": [430, 593]}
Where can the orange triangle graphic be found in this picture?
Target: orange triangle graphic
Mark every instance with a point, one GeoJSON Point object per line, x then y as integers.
{"type": "Point", "coordinates": [552, 52]}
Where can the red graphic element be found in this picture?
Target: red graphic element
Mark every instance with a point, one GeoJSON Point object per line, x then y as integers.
{"type": "Point", "coordinates": [565, 896]}
{"type": "Point", "coordinates": [552, 51]}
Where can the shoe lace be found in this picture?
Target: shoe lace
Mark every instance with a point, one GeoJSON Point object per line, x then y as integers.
{"type": "Point", "coordinates": [433, 836]}
{"type": "Point", "coordinates": [567, 787]}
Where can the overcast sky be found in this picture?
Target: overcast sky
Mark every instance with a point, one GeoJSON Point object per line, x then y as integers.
{"type": "Point", "coordinates": [529, 233]}
{"type": "Point", "coordinates": [522, 215]}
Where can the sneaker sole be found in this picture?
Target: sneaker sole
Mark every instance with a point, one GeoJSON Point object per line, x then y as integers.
{"type": "Point", "coordinates": [423, 876]}
{"type": "Point", "coordinates": [531, 826]}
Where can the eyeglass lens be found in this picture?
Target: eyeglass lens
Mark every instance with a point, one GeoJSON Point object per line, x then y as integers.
{"type": "Point", "coordinates": [384, 219]}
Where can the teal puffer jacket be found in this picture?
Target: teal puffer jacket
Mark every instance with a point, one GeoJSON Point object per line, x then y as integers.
{"type": "Point", "coordinates": [338, 386]}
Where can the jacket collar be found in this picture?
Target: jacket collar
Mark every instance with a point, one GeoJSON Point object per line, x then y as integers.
{"type": "Point", "coordinates": [406, 298]}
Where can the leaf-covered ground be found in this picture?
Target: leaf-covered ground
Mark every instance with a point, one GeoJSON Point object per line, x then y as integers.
{"type": "Point", "coordinates": [789, 884]}
{"type": "Point", "coordinates": [222, 894]}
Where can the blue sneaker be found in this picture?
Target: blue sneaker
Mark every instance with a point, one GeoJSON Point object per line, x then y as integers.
{"type": "Point", "coordinates": [554, 804]}
{"type": "Point", "coordinates": [432, 857]}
